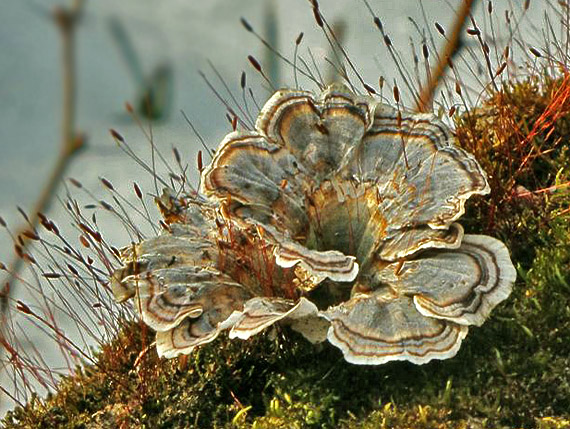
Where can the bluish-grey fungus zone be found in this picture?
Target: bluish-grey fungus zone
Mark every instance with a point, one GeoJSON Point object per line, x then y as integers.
{"type": "Point", "coordinates": [336, 215]}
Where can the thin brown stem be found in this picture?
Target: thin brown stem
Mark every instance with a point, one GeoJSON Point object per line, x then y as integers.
{"type": "Point", "coordinates": [66, 20]}
{"type": "Point", "coordinates": [453, 44]}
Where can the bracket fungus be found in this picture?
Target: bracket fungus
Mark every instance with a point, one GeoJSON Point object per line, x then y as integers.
{"type": "Point", "coordinates": [336, 215]}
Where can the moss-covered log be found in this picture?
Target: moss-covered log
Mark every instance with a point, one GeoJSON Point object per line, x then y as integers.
{"type": "Point", "coordinates": [512, 372]}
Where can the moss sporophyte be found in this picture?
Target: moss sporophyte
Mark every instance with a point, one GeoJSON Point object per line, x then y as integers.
{"type": "Point", "coordinates": [337, 215]}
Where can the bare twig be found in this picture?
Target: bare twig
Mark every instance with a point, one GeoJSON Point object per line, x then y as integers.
{"type": "Point", "coordinates": [449, 50]}
{"type": "Point", "coordinates": [66, 20]}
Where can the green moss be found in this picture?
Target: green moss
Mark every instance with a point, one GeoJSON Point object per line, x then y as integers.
{"type": "Point", "coordinates": [519, 135]}
{"type": "Point", "coordinates": [512, 372]}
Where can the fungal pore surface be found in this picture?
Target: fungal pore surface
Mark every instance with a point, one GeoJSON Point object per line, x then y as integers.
{"type": "Point", "coordinates": [338, 216]}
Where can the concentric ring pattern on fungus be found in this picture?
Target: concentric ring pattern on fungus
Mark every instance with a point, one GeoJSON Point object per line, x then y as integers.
{"type": "Point", "coordinates": [338, 216]}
